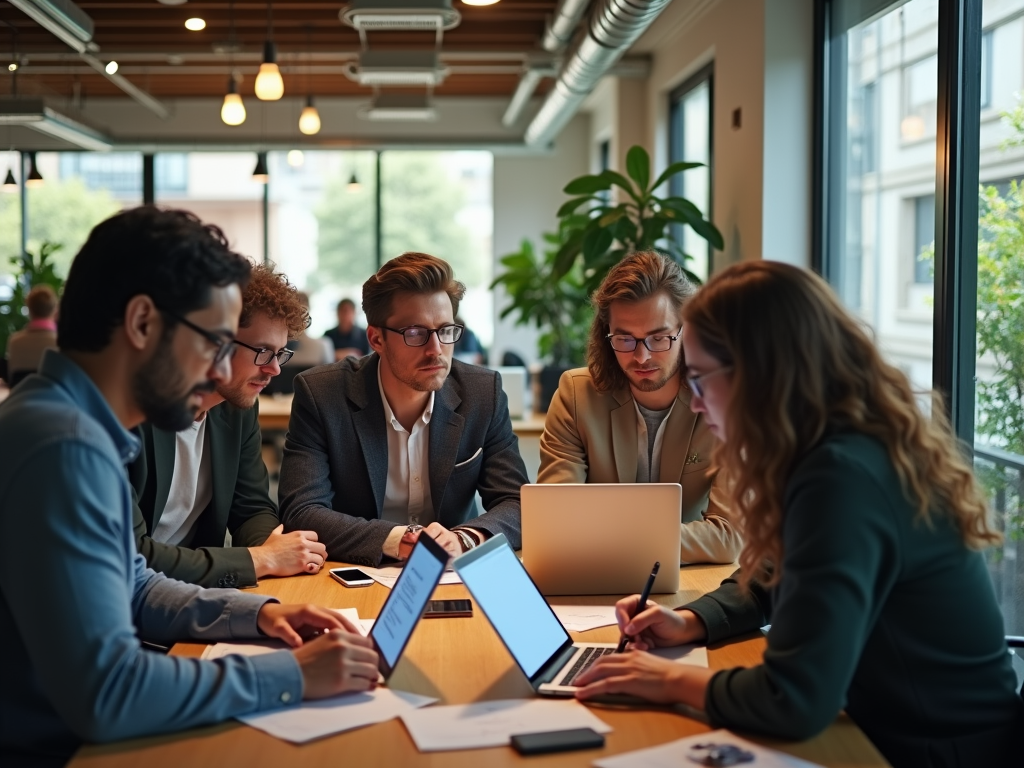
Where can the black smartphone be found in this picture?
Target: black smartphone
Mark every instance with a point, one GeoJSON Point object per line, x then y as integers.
{"type": "Point", "coordinates": [351, 577]}
{"type": "Point", "coordinates": [437, 609]}
{"type": "Point", "coordinates": [557, 741]}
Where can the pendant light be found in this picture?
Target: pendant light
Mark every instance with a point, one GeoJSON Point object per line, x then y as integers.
{"type": "Point", "coordinates": [309, 120]}
{"type": "Point", "coordinates": [353, 183]}
{"type": "Point", "coordinates": [232, 111]}
{"type": "Point", "coordinates": [10, 185]}
{"type": "Point", "coordinates": [260, 173]}
{"type": "Point", "coordinates": [269, 85]}
{"type": "Point", "coordinates": [34, 178]}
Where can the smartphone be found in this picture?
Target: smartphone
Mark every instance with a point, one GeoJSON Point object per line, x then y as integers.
{"type": "Point", "coordinates": [351, 577]}
{"type": "Point", "coordinates": [557, 741]}
{"type": "Point", "coordinates": [447, 608]}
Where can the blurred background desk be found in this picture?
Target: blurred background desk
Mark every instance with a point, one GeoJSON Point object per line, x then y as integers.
{"type": "Point", "coordinates": [459, 660]}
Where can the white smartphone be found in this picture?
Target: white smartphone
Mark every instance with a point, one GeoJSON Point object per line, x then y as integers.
{"type": "Point", "coordinates": [351, 577]}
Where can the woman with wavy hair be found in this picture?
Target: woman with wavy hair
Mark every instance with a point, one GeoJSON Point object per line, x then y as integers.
{"type": "Point", "coordinates": [862, 525]}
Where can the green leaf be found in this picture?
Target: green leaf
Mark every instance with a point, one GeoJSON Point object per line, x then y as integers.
{"type": "Point", "coordinates": [567, 254]}
{"type": "Point", "coordinates": [709, 232]}
{"type": "Point", "coordinates": [611, 217]}
{"type": "Point", "coordinates": [595, 243]}
{"type": "Point", "coordinates": [587, 185]}
{"type": "Point", "coordinates": [624, 230]}
{"type": "Point", "coordinates": [638, 166]}
{"type": "Point", "coordinates": [672, 170]}
{"type": "Point", "coordinates": [571, 205]}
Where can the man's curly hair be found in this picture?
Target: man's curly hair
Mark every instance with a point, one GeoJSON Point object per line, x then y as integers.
{"type": "Point", "coordinates": [270, 293]}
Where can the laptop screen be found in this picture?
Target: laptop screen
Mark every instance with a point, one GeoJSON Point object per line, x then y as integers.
{"type": "Point", "coordinates": [514, 606]}
{"type": "Point", "coordinates": [406, 602]}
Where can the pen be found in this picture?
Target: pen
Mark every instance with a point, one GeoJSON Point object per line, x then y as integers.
{"type": "Point", "coordinates": [641, 604]}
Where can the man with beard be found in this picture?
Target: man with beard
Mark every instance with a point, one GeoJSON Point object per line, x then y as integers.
{"type": "Point", "coordinates": [192, 486]}
{"type": "Point", "coordinates": [395, 444]}
{"type": "Point", "coordinates": [148, 314]}
{"type": "Point", "coordinates": [626, 417]}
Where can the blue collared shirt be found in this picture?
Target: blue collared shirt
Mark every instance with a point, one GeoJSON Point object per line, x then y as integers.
{"type": "Point", "coordinates": [76, 598]}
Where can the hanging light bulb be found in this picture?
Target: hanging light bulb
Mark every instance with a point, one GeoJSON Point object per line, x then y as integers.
{"type": "Point", "coordinates": [260, 172]}
{"type": "Point", "coordinates": [34, 178]}
{"type": "Point", "coordinates": [111, 68]}
{"type": "Point", "coordinates": [296, 158]}
{"type": "Point", "coordinates": [232, 111]}
{"type": "Point", "coordinates": [10, 185]}
{"type": "Point", "coordinates": [269, 85]}
{"type": "Point", "coordinates": [309, 120]}
{"type": "Point", "coordinates": [353, 183]}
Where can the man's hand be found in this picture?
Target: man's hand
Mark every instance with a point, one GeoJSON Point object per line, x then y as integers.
{"type": "Point", "coordinates": [335, 663]}
{"type": "Point", "coordinates": [296, 623]}
{"type": "Point", "coordinates": [444, 537]}
{"type": "Point", "coordinates": [657, 626]}
{"type": "Point", "coordinates": [286, 554]}
{"type": "Point", "coordinates": [640, 674]}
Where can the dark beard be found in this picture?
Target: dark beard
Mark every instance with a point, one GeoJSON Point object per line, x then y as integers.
{"type": "Point", "coordinates": [156, 388]}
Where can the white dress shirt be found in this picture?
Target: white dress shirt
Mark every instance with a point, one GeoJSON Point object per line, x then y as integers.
{"type": "Point", "coordinates": [191, 485]}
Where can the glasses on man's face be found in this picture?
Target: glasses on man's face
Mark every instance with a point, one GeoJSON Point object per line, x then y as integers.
{"type": "Point", "coordinates": [695, 381]}
{"type": "Point", "coordinates": [417, 335]}
{"type": "Point", "coordinates": [222, 343]}
{"type": "Point", "coordinates": [656, 342]}
{"type": "Point", "coordinates": [264, 355]}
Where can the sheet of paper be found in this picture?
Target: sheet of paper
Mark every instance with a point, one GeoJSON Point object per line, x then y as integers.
{"type": "Point", "coordinates": [580, 618]}
{"type": "Point", "coordinates": [493, 723]}
{"type": "Point", "coordinates": [316, 719]}
{"type": "Point", "coordinates": [387, 576]}
{"type": "Point", "coordinates": [697, 655]}
{"type": "Point", "coordinates": [686, 752]}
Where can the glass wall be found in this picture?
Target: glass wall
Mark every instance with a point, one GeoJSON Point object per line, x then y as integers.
{"type": "Point", "coordinates": [690, 141]}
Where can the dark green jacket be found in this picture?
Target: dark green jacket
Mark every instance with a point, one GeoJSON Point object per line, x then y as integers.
{"type": "Point", "coordinates": [240, 504]}
{"type": "Point", "coordinates": [876, 613]}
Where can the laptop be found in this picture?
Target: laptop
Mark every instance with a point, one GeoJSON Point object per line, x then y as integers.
{"type": "Point", "coordinates": [524, 621]}
{"type": "Point", "coordinates": [404, 606]}
{"type": "Point", "coordinates": [601, 538]}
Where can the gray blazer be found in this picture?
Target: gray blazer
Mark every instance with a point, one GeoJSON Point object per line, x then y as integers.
{"type": "Point", "coordinates": [335, 465]}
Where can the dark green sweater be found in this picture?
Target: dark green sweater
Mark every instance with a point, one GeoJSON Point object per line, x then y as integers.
{"type": "Point", "coordinates": [876, 613]}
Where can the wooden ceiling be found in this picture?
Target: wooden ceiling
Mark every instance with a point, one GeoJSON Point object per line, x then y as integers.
{"type": "Point", "coordinates": [485, 53]}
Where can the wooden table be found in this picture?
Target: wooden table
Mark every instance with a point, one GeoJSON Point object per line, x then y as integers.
{"type": "Point", "coordinates": [458, 660]}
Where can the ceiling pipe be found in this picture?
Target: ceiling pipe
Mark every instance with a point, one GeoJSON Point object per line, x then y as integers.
{"type": "Point", "coordinates": [150, 102]}
{"type": "Point", "coordinates": [528, 81]}
{"type": "Point", "coordinates": [613, 27]}
{"type": "Point", "coordinates": [562, 26]}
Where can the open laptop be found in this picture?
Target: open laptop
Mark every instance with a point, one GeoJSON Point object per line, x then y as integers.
{"type": "Point", "coordinates": [601, 538]}
{"type": "Point", "coordinates": [404, 606]}
{"type": "Point", "coordinates": [524, 621]}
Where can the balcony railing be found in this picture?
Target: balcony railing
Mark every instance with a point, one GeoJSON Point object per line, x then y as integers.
{"type": "Point", "coordinates": [1002, 476]}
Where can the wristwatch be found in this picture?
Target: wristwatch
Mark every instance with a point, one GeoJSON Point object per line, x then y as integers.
{"type": "Point", "coordinates": [408, 541]}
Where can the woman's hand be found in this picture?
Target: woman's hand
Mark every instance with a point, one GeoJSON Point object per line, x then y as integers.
{"type": "Point", "coordinates": [657, 626]}
{"type": "Point", "coordinates": [640, 674]}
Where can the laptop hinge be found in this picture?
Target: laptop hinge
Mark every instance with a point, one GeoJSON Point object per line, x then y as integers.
{"type": "Point", "coordinates": [554, 665]}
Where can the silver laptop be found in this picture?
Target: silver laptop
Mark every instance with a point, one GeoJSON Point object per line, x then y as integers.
{"type": "Point", "coordinates": [524, 621]}
{"type": "Point", "coordinates": [601, 538]}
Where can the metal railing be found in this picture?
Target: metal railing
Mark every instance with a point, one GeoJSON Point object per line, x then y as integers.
{"type": "Point", "coordinates": [1002, 476]}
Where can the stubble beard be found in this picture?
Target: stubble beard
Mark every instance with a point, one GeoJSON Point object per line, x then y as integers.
{"type": "Point", "coordinates": [433, 384]}
{"type": "Point", "coordinates": [653, 385]}
{"type": "Point", "coordinates": [155, 390]}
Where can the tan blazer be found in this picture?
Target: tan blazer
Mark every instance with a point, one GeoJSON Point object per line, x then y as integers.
{"type": "Point", "coordinates": [591, 437]}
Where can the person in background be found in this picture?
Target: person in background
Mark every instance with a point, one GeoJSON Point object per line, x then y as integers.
{"type": "Point", "coordinates": [193, 486]}
{"type": "Point", "coordinates": [307, 351]}
{"type": "Point", "coordinates": [348, 338]}
{"type": "Point", "coordinates": [25, 347]}
{"type": "Point", "coordinates": [398, 443]}
{"type": "Point", "coordinates": [862, 526]}
{"type": "Point", "coordinates": [626, 417]}
{"type": "Point", "coordinates": [147, 318]}
{"type": "Point", "coordinates": [468, 348]}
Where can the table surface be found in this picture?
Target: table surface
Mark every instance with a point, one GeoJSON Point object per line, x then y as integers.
{"type": "Point", "coordinates": [460, 660]}
{"type": "Point", "coordinates": [275, 410]}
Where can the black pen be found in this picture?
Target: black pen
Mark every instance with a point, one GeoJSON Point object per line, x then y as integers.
{"type": "Point", "coordinates": [640, 605]}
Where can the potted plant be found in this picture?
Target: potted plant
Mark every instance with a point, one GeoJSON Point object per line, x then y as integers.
{"type": "Point", "coordinates": [29, 272]}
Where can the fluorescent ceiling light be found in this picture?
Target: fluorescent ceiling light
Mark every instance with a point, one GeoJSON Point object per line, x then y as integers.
{"type": "Point", "coordinates": [400, 15]}
{"type": "Point", "coordinates": [397, 68]}
{"type": "Point", "coordinates": [62, 18]}
{"type": "Point", "coordinates": [34, 114]}
{"type": "Point", "coordinates": [400, 107]}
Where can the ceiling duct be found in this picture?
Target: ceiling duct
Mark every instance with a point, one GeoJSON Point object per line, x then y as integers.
{"type": "Point", "coordinates": [399, 16]}
{"type": "Point", "coordinates": [614, 26]}
{"type": "Point", "coordinates": [400, 107]}
{"type": "Point", "coordinates": [397, 68]}
{"type": "Point", "coordinates": [33, 113]}
{"type": "Point", "coordinates": [63, 18]}
{"type": "Point", "coordinates": [563, 24]}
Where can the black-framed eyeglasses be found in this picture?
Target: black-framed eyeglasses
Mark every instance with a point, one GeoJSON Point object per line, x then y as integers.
{"type": "Point", "coordinates": [417, 335]}
{"type": "Point", "coordinates": [265, 355]}
{"type": "Point", "coordinates": [222, 343]}
{"type": "Point", "coordinates": [695, 381]}
{"type": "Point", "coordinates": [656, 342]}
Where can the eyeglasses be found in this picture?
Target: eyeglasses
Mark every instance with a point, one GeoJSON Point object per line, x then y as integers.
{"type": "Point", "coordinates": [695, 381]}
{"type": "Point", "coordinates": [417, 335]}
{"type": "Point", "coordinates": [656, 342]}
{"type": "Point", "coordinates": [222, 344]}
{"type": "Point", "coordinates": [264, 355]}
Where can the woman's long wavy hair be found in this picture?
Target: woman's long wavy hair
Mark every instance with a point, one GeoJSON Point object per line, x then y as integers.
{"type": "Point", "coordinates": [802, 366]}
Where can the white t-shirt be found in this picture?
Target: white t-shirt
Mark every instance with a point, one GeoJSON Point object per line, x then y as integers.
{"type": "Point", "coordinates": [191, 485]}
{"type": "Point", "coordinates": [648, 465]}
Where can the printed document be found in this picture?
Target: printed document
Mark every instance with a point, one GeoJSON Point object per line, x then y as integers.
{"type": "Point", "coordinates": [387, 577]}
{"type": "Point", "coordinates": [715, 748]}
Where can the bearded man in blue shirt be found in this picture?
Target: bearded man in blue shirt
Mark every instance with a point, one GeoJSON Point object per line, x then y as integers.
{"type": "Point", "coordinates": [147, 320]}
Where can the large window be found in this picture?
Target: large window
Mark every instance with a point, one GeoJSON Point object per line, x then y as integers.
{"type": "Point", "coordinates": [690, 141]}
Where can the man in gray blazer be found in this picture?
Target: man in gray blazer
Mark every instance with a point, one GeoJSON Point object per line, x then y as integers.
{"type": "Point", "coordinates": [399, 442]}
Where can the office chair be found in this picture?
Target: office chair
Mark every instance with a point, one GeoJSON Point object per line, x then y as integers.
{"type": "Point", "coordinates": [510, 359]}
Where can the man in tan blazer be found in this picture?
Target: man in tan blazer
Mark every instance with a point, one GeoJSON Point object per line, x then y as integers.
{"type": "Point", "coordinates": [626, 417]}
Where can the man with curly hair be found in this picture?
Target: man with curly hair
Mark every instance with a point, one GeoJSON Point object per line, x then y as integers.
{"type": "Point", "coordinates": [192, 486]}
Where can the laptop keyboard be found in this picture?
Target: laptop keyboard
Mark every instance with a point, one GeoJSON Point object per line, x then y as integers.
{"type": "Point", "coordinates": [588, 657]}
